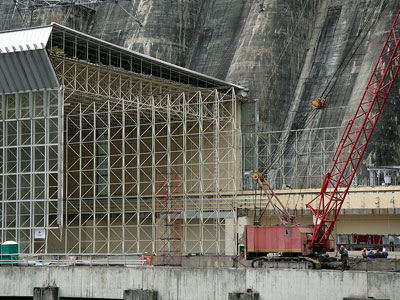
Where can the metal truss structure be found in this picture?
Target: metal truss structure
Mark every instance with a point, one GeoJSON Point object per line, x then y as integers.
{"type": "Point", "coordinates": [29, 167]}
{"type": "Point", "coordinates": [86, 128]}
{"type": "Point", "coordinates": [169, 217]}
{"type": "Point", "coordinates": [299, 164]}
{"type": "Point", "coordinates": [121, 130]}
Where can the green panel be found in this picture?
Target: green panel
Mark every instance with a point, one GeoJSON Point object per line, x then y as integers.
{"type": "Point", "coordinates": [9, 252]}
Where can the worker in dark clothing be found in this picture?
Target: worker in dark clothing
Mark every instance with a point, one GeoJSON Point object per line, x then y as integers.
{"type": "Point", "coordinates": [377, 253]}
{"type": "Point", "coordinates": [364, 253]}
{"type": "Point", "coordinates": [344, 257]}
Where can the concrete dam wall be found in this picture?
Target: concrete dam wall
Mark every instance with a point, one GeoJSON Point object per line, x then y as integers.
{"type": "Point", "coordinates": [200, 283]}
{"type": "Point", "coordinates": [288, 53]}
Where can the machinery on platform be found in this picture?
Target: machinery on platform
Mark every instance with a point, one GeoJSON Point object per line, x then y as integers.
{"type": "Point", "coordinates": [293, 239]}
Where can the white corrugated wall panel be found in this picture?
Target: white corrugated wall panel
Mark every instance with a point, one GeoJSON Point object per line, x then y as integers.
{"type": "Point", "coordinates": [24, 40]}
{"type": "Point", "coordinates": [26, 71]}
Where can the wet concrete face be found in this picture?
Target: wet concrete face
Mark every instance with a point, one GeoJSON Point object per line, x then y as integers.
{"type": "Point", "coordinates": [288, 53]}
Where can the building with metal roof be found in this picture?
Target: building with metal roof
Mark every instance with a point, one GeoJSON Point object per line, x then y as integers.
{"type": "Point", "coordinates": [106, 150]}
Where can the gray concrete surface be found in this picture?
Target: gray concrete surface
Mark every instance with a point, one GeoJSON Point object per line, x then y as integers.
{"type": "Point", "coordinates": [287, 53]}
{"type": "Point", "coordinates": [200, 283]}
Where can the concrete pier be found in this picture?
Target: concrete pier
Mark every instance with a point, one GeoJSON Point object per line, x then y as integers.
{"type": "Point", "coordinates": [45, 293]}
{"type": "Point", "coordinates": [140, 295]}
{"type": "Point", "coordinates": [244, 296]}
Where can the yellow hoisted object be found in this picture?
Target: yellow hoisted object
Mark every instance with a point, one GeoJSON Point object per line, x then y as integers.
{"type": "Point", "coordinates": [259, 176]}
{"type": "Point", "coordinates": [318, 103]}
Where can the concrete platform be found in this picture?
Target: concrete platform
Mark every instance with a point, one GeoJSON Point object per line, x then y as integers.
{"type": "Point", "coordinates": [177, 283]}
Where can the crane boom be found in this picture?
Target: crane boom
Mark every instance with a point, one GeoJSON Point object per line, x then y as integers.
{"type": "Point", "coordinates": [356, 136]}
{"type": "Point", "coordinates": [280, 210]}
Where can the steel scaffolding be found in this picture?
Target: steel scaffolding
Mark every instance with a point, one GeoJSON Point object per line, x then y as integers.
{"type": "Point", "coordinates": [86, 126]}
{"type": "Point", "coordinates": [300, 163]}
{"type": "Point", "coordinates": [121, 129]}
{"type": "Point", "coordinates": [169, 218]}
{"type": "Point", "coordinates": [29, 167]}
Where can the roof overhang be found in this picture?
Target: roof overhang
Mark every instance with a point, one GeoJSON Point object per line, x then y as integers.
{"type": "Point", "coordinates": [24, 39]}
{"type": "Point", "coordinates": [39, 38]}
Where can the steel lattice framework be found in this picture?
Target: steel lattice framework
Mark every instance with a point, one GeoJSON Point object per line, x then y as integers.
{"type": "Point", "coordinates": [121, 130]}
{"type": "Point", "coordinates": [355, 139]}
{"type": "Point", "coordinates": [87, 126]}
{"type": "Point", "coordinates": [302, 164]}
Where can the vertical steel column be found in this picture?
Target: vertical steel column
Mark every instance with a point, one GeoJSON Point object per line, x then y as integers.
{"type": "Point", "coordinates": [236, 169]}
{"type": "Point", "coordinates": [66, 184]}
{"type": "Point", "coordinates": [60, 167]}
{"type": "Point", "coordinates": [80, 182]}
{"type": "Point", "coordinates": [216, 172]}
{"type": "Point", "coordinates": [153, 175]}
{"type": "Point", "coordinates": [123, 169]}
{"type": "Point", "coordinates": [46, 170]}
{"type": "Point", "coordinates": [184, 181]}
{"type": "Point", "coordinates": [108, 171]}
{"type": "Point", "coordinates": [138, 190]}
{"type": "Point", "coordinates": [18, 201]}
{"type": "Point", "coordinates": [3, 219]}
{"type": "Point", "coordinates": [94, 177]}
{"type": "Point", "coordinates": [33, 181]}
{"type": "Point", "coordinates": [201, 174]}
{"type": "Point", "coordinates": [169, 206]}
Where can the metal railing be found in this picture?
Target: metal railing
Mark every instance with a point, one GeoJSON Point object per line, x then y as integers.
{"type": "Point", "coordinates": [22, 259]}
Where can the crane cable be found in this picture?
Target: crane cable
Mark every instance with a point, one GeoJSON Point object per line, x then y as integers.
{"type": "Point", "coordinates": [343, 66]}
{"type": "Point", "coordinates": [324, 94]}
{"type": "Point", "coordinates": [288, 42]}
{"type": "Point", "coordinates": [340, 70]}
{"type": "Point", "coordinates": [329, 87]}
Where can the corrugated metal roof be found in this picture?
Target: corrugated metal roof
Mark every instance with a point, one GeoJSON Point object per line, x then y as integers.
{"type": "Point", "coordinates": [138, 56]}
{"type": "Point", "coordinates": [26, 71]}
{"type": "Point", "coordinates": [37, 38]}
{"type": "Point", "coordinates": [24, 40]}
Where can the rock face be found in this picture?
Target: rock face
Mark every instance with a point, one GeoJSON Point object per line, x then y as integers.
{"type": "Point", "coordinates": [288, 53]}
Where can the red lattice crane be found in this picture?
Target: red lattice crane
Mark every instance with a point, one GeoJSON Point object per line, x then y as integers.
{"type": "Point", "coordinates": [295, 239]}
{"type": "Point", "coordinates": [356, 136]}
